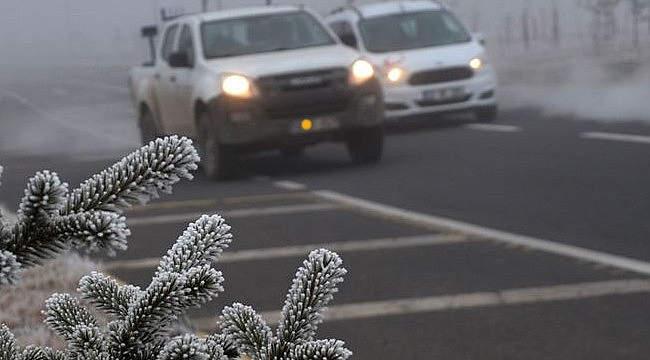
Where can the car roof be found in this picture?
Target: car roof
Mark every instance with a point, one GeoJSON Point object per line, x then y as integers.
{"type": "Point", "coordinates": [241, 12]}
{"type": "Point", "coordinates": [393, 7]}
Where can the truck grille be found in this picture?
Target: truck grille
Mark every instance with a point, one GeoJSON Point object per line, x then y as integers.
{"type": "Point", "coordinates": [441, 75]}
{"type": "Point", "coordinates": [304, 94]}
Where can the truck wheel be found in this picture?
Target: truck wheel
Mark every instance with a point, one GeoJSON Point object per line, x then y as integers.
{"type": "Point", "coordinates": [216, 159]}
{"type": "Point", "coordinates": [487, 114]}
{"type": "Point", "coordinates": [147, 127]}
{"type": "Point", "coordinates": [365, 145]}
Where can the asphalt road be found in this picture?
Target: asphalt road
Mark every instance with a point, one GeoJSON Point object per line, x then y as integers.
{"type": "Point", "coordinates": [522, 239]}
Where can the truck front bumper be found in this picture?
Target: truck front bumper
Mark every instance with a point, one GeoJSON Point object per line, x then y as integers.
{"type": "Point", "coordinates": [266, 123]}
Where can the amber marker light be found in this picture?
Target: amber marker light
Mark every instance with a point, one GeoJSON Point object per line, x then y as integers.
{"type": "Point", "coordinates": [306, 124]}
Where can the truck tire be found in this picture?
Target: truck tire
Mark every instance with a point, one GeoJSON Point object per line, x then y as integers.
{"type": "Point", "coordinates": [147, 127]}
{"type": "Point", "coordinates": [365, 145]}
{"type": "Point", "coordinates": [216, 159]}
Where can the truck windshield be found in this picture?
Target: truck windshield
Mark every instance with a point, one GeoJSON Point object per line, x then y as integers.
{"type": "Point", "coordinates": [257, 34]}
{"type": "Point", "coordinates": [414, 30]}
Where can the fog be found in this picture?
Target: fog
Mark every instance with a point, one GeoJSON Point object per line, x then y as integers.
{"type": "Point", "coordinates": [77, 30]}
{"type": "Point", "coordinates": [589, 83]}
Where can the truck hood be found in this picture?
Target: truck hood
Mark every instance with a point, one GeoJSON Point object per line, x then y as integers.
{"type": "Point", "coordinates": [428, 58]}
{"type": "Point", "coordinates": [281, 62]}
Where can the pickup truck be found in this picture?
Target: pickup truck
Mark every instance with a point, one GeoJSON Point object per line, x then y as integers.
{"type": "Point", "coordinates": [253, 79]}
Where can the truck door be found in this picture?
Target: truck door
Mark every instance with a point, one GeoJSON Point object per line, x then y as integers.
{"type": "Point", "coordinates": [163, 77]}
{"type": "Point", "coordinates": [183, 86]}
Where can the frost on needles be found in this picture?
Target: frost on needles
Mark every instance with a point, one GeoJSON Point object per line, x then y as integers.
{"type": "Point", "coordinates": [52, 220]}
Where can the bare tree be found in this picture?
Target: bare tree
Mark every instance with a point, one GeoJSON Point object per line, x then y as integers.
{"type": "Point", "coordinates": [603, 19]}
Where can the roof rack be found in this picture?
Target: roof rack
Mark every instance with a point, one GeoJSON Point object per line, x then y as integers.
{"type": "Point", "coordinates": [348, 7]}
{"type": "Point", "coordinates": [171, 14]}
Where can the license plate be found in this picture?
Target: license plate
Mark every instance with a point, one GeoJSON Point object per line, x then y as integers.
{"type": "Point", "coordinates": [321, 123]}
{"type": "Point", "coordinates": [443, 94]}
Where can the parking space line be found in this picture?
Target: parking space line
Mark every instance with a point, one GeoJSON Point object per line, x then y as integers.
{"type": "Point", "coordinates": [303, 250]}
{"type": "Point", "coordinates": [639, 139]}
{"type": "Point", "coordinates": [430, 221]}
{"type": "Point", "coordinates": [229, 214]}
{"type": "Point", "coordinates": [442, 303]}
{"type": "Point", "coordinates": [494, 127]}
{"type": "Point", "coordinates": [196, 203]}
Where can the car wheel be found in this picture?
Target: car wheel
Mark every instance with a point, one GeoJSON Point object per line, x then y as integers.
{"type": "Point", "coordinates": [147, 127]}
{"type": "Point", "coordinates": [487, 114]}
{"type": "Point", "coordinates": [216, 159]}
{"type": "Point", "coordinates": [366, 145]}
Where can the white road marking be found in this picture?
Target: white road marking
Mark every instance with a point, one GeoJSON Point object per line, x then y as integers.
{"type": "Point", "coordinates": [494, 127]}
{"type": "Point", "coordinates": [304, 250]}
{"type": "Point", "coordinates": [272, 210]}
{"type": "Point", "coordinates": [193, 203]}
{"type": "Point", "coordinates": [430, 304]}
{"type": "Point", "coordinates": [429, 221]}
{"type": "Point", "coordinates": [639, 139]}
{"type": "Point", "coordinates": [289, 185]}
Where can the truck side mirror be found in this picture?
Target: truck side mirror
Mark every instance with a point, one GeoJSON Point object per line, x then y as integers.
{"type": "Point", "coordinates": [179, 60]}
{"type": "Point", "coordinates": [350, 40]}
{"type": "Point", "coordinates": [149, 31]}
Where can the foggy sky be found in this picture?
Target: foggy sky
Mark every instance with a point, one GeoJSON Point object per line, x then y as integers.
{"type": "Point", "coordinates": [69, 30]}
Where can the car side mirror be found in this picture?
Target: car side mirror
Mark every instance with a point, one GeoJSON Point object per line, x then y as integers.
{"type": "Point", "coordinates": [480, 38]}
{"type": "Point", "coordinates": [350, 40]}
{"type": "Point", "coordinates": [179, 60]}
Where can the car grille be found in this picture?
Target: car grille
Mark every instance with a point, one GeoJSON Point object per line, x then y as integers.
{"type": "Point", "coordinates": [441, 75]}
{"type": "Point", "coordinates": [425, 103]}
{"type": "Point", "coordinates": [303, 81]}
{"type": "Point", "coordinates": [305, 93]}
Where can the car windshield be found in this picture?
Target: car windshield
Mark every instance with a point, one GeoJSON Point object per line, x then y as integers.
{"type": "Point", "coordinates": [258, 34]}
{"type": "Point", "coordinates": [412, 31]}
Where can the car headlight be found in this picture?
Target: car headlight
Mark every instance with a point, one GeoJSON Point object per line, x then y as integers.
{"type": "Point", "coordinates": [395, 74]}
{"type": "Point", "coordinates": [361, 72]}
{"type": "Point", "coordinates": [238, 86]}
{"type": "Point", "coordinates": [477, 63]}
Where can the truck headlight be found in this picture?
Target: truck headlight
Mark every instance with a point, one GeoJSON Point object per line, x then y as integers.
{"type": "Point", "coordinates": [476, 63]}
{"type": "Point", "coordinates": [238, 86]}
{"type": "Point", "coordinates": [361, 72]}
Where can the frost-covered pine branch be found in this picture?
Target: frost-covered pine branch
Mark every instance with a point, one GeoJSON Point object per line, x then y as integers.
{"type": "Point", "coordinates": [139, 320]}
{"type": "Point", "coordinates": [313, 288]}
{"type": "Point", "coordinates": [51, 219]}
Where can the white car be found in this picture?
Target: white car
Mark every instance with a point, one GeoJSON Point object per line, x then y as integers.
{"type": "Point", "coordinates": [430, 63]}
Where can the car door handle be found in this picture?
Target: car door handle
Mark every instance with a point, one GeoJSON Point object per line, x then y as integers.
{"type": "Point", "coordinates": [157, 76]}
{"type": "Point", "coordinates": [172, 78]}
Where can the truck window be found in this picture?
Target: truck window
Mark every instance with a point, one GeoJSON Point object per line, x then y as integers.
{"type": "Point", "coordinates": [262, 33]}
{"type": "Point", "coordinates": [185, 43]}
{"type": "Point", "coordinates": [168, 42]}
